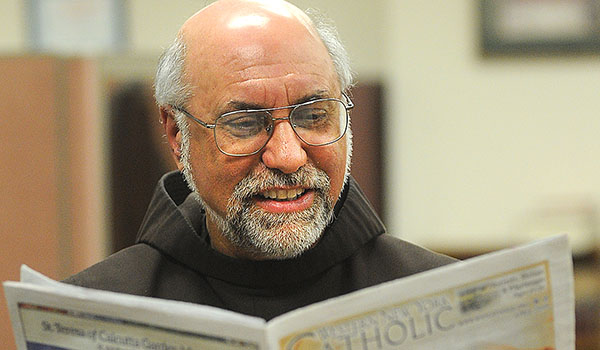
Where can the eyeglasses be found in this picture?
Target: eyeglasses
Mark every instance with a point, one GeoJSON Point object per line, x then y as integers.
{"type": "Point", "coordinates": [246, 132]}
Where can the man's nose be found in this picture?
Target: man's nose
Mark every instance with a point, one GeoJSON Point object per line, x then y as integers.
{"type": "Point", "coordinates": [284, 151]}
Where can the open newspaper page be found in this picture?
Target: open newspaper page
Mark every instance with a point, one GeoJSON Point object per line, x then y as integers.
{"type": "Point", "coordinates": [520, 298]}
{"type": "Point", "coordinates": [50, 315]}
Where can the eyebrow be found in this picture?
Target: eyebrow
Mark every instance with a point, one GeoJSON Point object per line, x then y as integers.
{"type": "Point", "coordinates": [234, 105]}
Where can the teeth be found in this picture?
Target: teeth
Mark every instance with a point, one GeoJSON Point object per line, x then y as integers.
{"type": "Point", "coordinates": [282, 194]}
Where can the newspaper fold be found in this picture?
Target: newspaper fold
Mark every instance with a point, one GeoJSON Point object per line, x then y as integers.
{"type": "Point", "coordinates": [519, 298]}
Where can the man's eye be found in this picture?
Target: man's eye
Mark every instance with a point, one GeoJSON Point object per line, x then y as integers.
{"type": "Point", "coordinates": [244, 126]}
{"type": "Point", "coordinates": [310, 117]}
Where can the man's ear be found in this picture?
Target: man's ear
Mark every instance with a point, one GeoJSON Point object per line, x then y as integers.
{"type": "Point", "coordinates": [172, 133]}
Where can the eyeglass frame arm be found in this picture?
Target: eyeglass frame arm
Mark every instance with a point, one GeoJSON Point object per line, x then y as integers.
{"type": "Point", "coordinates": [189, 115]}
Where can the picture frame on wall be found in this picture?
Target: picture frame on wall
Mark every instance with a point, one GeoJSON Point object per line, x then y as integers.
{"type": "Point", "coordinates": [75, 27]}
{"type": "Point", "coordinates": [540, 26]}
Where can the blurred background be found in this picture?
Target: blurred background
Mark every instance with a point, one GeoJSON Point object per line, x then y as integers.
{"type": "Point", "coordinates": [477, 126]}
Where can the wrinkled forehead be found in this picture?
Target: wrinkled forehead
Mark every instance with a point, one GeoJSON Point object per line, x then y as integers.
{"type": "Point", "coordinates": [233, 35]}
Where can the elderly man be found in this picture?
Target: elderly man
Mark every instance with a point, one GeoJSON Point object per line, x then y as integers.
{"type": "Point", "coordinates": [263, 217]}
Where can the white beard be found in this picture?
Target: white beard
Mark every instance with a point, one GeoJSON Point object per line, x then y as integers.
{"type": "Point", "coordinates": [275, 235]}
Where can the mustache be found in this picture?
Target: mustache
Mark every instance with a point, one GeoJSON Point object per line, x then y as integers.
{"type": "Point", "coordinates": [263, 178]}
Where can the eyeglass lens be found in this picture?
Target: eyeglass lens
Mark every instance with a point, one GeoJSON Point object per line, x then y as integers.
{"type": "Point", "coordinates": [318, 123]}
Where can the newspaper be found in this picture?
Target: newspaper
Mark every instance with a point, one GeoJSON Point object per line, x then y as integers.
{"type": "Point", "coordinates": [519, 298]}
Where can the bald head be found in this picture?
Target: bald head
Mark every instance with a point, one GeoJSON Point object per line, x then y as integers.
{"type": "Point", "coordinates": [230, 26]}
{"type": "Point", "coordinates": [243, 15]}
{"type": "Point", "coordinates": [239, 40]}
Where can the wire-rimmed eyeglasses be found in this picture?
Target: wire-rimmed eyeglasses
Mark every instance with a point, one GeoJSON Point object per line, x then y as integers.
{"type": "Point", "coordinates": [246, 132]}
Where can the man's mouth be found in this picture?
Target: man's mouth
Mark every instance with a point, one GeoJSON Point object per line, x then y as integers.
{"type": "Point", "coordinates": [285, 200]}
{"type": "Point", "coordinates": [283, 194]}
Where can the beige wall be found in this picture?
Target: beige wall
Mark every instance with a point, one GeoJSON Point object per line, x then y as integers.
{"type": "Point", "coordinates": [480, 151]}
{"type": "Point", "coordinates": [12, 35]}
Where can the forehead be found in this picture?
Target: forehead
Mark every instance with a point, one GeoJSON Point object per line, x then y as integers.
{"type": "Point", "coordinates": [277, 75]}
{"type": "Point", "coordinates": [278, 56]}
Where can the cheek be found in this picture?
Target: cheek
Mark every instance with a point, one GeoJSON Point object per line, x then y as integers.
{"type": "Point", "coordinates": [332, 160]}
{"type": "Point", "coordinates": [216, 174]}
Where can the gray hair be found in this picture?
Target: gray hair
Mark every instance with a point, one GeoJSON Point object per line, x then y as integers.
{"type": "Point", "coordinates": [170, 87]}
{"type": "Point", "coordinates": [330, 37]}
